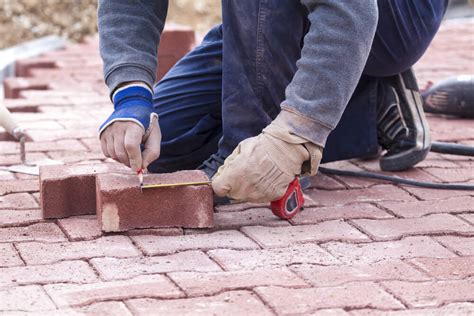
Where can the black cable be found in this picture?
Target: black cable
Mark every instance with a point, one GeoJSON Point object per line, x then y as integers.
{"type": "Point", "coordinates": [453, 149]}
{"type": "Point", "coordinates": [394, 179]}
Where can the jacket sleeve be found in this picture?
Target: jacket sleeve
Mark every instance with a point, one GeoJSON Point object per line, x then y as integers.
{"type": "Point", "coordinates": [129, 34]}
{"type": "Point", "coordinates": [333, 57]}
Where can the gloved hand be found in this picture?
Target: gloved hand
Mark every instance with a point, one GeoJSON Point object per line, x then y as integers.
{"type": "Point", "coordinates": [261, 168]}
{"type": "Point", "coordinates": [132, 123]}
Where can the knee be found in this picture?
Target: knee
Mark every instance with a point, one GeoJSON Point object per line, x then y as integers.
{"type": "Point", "coordinates": [405, 30]}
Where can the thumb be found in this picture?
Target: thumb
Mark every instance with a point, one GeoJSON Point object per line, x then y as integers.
{"type": "Point", "coordinates": [220, 185]}
{"type": "Point", "coordinates": [152, 145]}
{"type": "Point", "coordinates": [132, 140]}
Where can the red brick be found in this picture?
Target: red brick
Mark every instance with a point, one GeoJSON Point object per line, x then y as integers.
{"type": "Point", "coordinates": [324, 182]}
{"type": "Point", "coordinates": [154, 245]}
{"type": "Point", "coordinates": [305, 301]}
{"type": "Point", "coordinates": [269, 258]}
{"type": "Point", "coordinates": [253, 216]}
{"type": "Point", "coordinates": [8, 256]}
{"type": "Point", "coordinates": [6, 175]}
{"type": "Point", "coordinates": [334, 275]}
{"type": "Point", "coordinates": [70, 190]}
{"type": "Point", "coordinates": [461, 245]}
{"type": "Point", "coordinates": [80, 228]}
{"type": "Point", "coordinates": [270, 237]}
{"type": "Point", "coordinates": [431, 194]}
{"type": "Point", "coordinates": [447, 268]}
{"type": "Point", "coordinates": [388, 229]}
{"type": "Point", "coordinates": [450, 309]}
{"type": "Point", "coordinates": [110, 246]}
{"type": "Point", "coordinates": [451, 175]}
{"type": "Point", "coordinates": [206, 283]}
{"type": "Point", "coordinates": [427, 294]}
{"type": "Point", "coordinates": [109, 308]}
{"type": "Point", "coordinates": [122, 206]}
{"type": "Point", "coordinates": [19, 217]}
{"type": "Point", "coordinates": [25, 299]}
{"type": "Point", "coordinates": [71, 157]}
{"type": "Point", "coordinates": [353, 211]}
{"type": "Point", "coordinates": [468, 217]}
{"type": "Point", "coordinates": [31, 105]}
{"type": "Point", "coordinates": [17, 201]}
{"type": "Point", "coordinates": [116, 269]}
{"type": "Point", "coordinates": [14, 85]}
{"type": "Point", "coordinates": [374, 194]}
{"type": "Point", "coordinates": [41, 232]}
{"type": "Point", "coordinates": [80, 294]}
{"type": "Point", "coordinates": [66, 271]}
{"type": "Point", "coordinates": [228, 303]}
{"type": "Point", "coordinates": [14, 186]}
{"type": "Point", "coordinates": [23, 66]}
{"type": "Point", "coordinates": [422, 208]}
{"type": "Point", "coordinates": [409, 247]}
{"type": "Point", "coordinates": [176, 41]}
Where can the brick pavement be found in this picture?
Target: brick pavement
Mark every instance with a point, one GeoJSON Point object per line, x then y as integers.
{"type": "Point", "coordinates": [361, 248]}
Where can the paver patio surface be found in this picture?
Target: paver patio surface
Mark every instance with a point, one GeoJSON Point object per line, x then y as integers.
{"type": "Point", "coordinates": [361, 248]}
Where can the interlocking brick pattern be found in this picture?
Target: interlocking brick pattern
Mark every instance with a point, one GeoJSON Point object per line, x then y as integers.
{"type": "Point", "coordinates": [360, 248]}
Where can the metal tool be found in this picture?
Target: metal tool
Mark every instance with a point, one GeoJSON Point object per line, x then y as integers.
{"type": "Point", "coordinates": [169, 185]}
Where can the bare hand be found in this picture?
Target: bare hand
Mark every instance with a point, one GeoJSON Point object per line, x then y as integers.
{"type": "Point", "coordinates": [122, 139]}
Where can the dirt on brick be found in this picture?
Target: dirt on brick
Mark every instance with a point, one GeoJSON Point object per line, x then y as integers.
{"type": "Point", "coordinates": [23, 20]}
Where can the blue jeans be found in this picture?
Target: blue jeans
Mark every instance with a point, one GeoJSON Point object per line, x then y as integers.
{"type": "Point", "coordinates": [210, 100]}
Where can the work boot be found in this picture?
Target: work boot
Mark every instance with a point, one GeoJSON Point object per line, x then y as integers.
{"type": "Point", "coordinates": [402, 129]}
{"type": "Point", "coordinates": [210, 167]}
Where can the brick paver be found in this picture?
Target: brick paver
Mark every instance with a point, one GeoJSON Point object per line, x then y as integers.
{"type": "Point", "coordinates": [360, 247]}
{"type": "Point", "coordinates": [231, 239]}
{"type": "Point", "coordinates": [425, 294]}
{"type": "Point", "coordinates": [270, 237]}
{"type": "Point", "coordinates": [446, 268]}
{"type": "Point", "coordinates": [112, 246]}
{"type": "Point", "coordinates": [66, 271]}
{"type": "Point", "coordinates": [229, 303]}
{"type": "Point", "coordinates": [81, 294]}
{"type": "Point", "coordinates": [428, 225]}
{"type": "Point", "coordinates": [114, 268]}
{"type": "Point", "coordinates": [301, 301]}
{"type": "Point", "coordinates": [320, 276]}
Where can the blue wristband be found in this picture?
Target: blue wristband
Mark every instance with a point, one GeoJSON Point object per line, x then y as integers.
{"type": "Point", "coordinates": [134, 103]}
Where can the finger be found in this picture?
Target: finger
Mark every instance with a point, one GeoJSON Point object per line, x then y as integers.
{"type": "Point", "coordinates": [132, 142]}
{"type": "Point", "coordinates": [119, 147]}
{"type": "Point", "coordinates": [220, 185]}
{"type": "Point", "coordinates": [152, 146]}
{"type": "Point", "coordinates": [109, 139]}
{"type": "Point", "coordinates": [103, 145]}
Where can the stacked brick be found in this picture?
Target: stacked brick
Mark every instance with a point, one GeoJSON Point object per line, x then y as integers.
{"type": "Point", "coordinates": [359, 248]}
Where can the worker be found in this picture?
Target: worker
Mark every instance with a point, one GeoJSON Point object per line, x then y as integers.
{"type": "Point", "coordinates": [278, 88]}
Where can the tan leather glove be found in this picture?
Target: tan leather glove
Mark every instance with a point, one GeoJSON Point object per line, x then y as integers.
{"type": "Point", "coordinates": [261, 168]}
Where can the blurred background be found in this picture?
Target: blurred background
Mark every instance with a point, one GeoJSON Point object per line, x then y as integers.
{"type": "Point", "coordinates": [23, 20]}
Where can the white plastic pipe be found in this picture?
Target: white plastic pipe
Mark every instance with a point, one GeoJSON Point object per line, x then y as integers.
{"type": "Point", "coordinates": [7, 121]}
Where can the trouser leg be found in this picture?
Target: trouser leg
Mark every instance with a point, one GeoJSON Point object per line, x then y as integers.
{"type": "Point", "coordinates": [188, 102]}
{"type": "Point", "coordinates": [404, 32]}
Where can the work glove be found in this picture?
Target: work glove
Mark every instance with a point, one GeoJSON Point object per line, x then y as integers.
{"type": "Point", "coordinates": [132, 124]}
{"type": "Point", "coordinates": [261, 168]}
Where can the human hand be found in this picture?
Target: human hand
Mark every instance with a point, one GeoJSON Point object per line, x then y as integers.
{"type": "Point", "coordinates": [131, 124]}
{"type": "Point", "coordinates": [261, 168]}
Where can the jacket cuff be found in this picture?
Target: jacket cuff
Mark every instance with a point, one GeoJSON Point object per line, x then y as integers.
{"type": "Point", "coordinates": [128, 73]}
{"type": "Point", "coordinates": [303, 126]}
